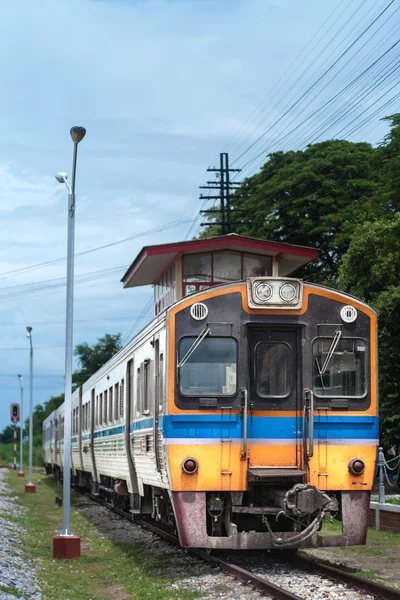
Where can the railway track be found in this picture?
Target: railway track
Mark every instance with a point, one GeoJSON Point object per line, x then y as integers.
{"type": "Point", "coordinates": [262, 584]}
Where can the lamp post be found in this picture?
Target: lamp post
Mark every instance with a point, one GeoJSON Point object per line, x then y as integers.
{"type": "Point", "coordinates": [30, 488]}
{"type": "Point", "coordinates": [67, 545]}
{"type": "Point", "coordinates": [21, 428]}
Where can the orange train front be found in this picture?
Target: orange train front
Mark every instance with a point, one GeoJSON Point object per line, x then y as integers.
{"type": "Point", "coordinates": [272, 414]}
{"type": "Point", "coordinates": [244, 413]}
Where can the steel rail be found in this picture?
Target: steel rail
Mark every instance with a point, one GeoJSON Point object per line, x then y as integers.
{"type": "Point", "coordinates": [381, 592]}
{"type": "Point", "coordinates": [262, 585]}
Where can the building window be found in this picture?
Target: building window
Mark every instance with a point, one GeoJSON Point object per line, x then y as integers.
{"type": "Point", "coordinates": [197, 267]}
{"type": "Point", "coordinates": [227, 266]}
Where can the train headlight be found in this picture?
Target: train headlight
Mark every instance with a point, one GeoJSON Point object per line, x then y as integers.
{"type": "Point", "coordinates": [190, 466]}
{"type": "Point", "coordinates": [356, 466]}
{"type": "Point", "coordinates": [274, 292]}
{"type": "Point", "coordinates": [263, 291]}
{"type": "Point", "coordinates": [287, 292]}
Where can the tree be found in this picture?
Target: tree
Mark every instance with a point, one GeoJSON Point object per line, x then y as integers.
{"type": "Point", "coordinates": [314, 197]}
{"type": "Point", "coordinates": [92, 358]}
{"type": "Point", "coordinates": [388, 155]}
{"type": "Point", "coordinates": [371, 270]}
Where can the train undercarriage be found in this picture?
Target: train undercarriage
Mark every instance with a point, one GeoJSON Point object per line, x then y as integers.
{"type": "Point", "coordinates": [266, 516]}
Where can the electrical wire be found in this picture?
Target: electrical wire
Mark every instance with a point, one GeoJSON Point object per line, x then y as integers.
{"type": "Point", "coordinates": [328, 70]}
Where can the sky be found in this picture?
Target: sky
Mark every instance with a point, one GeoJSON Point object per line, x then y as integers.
{"type": "Point", "coordinates": [162, 86]}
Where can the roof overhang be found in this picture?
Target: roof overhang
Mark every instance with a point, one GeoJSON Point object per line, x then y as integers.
{"type": "Point", "coordinates": [152, 261]}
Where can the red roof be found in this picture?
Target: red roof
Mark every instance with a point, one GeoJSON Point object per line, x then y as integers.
{"type": "Point", "coordinates": [152, 261]}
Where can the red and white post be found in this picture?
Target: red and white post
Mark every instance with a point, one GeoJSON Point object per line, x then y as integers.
{"type": "Point", "coordinates": [14, 414]}
{"type": "Point", "coordinates": [15, 445]}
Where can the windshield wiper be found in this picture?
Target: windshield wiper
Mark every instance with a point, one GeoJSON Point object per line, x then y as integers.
{"type": "Point", "coordinates": [320, 373]}
{"type": "Point", "coordinates": [335, 341]}
{"type": "Point", "coordinates": [193, 347]}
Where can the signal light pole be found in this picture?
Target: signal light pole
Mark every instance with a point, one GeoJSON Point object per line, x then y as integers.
{"type": "Point", "coordinates": [21, 429]}
{"type": "Point", "coordinates": [66, 544]}
{"type": "Point", "coordinates": [30, 487]}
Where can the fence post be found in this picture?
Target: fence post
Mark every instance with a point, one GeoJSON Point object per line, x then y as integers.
{"type": "Point", "coordinates": [381, 464]}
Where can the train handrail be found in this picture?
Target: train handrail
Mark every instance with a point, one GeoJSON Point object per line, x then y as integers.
{"type": "Point", "coordinates": [308, 413]}
{"type": "Point", "coordinates": [245, 409]}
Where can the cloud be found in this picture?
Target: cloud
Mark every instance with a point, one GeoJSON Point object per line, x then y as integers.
{"type": "Point", "coordinates": [162, 87]}
{"type": "Point", "coordinates": [24, 189]}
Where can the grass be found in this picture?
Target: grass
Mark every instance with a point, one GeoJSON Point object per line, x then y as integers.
{"type": "Point", "coordinates": [105, 570]}
{"type": "Point", "coordinates": [7, 454]}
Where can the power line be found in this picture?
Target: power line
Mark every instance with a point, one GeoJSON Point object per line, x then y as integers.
{"type": "Point", "coordinates": [14, 272]}
{"type": "Point", "coordinates": [328, 70]}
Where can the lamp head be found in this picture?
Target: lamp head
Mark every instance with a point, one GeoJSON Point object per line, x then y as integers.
{"type": "Point", "coordinates": [29, 329]}
{"type": "Point", "coordinates": [19, 377]}
{"type": "Point", "coordinates": [77, 134]}
{"type": "Point", "coordinates": [61, 177]}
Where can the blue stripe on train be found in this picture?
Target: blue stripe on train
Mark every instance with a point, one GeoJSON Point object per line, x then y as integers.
{"type": "Point", "coordinates": [231, 426]}
{"type": "Point", "coordinates": [259, 427]}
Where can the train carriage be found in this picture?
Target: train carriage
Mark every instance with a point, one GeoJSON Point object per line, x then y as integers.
{"type": "Point", "coordinates": [244, 413]}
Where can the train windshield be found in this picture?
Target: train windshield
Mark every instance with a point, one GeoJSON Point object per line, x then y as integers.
{"type": "Point", "coordinates": [339, 368]}
{"type": "Point", "coordinates": [210, 369]}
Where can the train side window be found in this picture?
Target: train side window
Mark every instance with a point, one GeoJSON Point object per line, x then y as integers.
{"type": "Point", "coordinates": [146, 381]}
{"type": "Point", "coordinates": [138, 393]}
{"type": "Point", "coordinates": [340, 367]}
{"type": "Point", "coordinates": [121, 399]}
{"type": "Point", "coordinates": [101, 409]}
{"type": "Point", "coordinates": [110, 404]}
{"type": "Point", "coordinates": [96, 411]}
{"type": "Point", "coordinates": [105, 406]}
{"type": "Point", "coordinates": [272, 369]}
{"type": "Point", "coordinates": [116, 396]}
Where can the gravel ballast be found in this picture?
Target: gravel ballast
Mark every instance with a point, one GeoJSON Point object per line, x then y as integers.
{"type": "Point", "coordinates": [16, 572]}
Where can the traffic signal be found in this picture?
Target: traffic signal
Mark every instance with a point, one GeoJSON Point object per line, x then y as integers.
{"type": "Point", "coordinates": [14, 413]}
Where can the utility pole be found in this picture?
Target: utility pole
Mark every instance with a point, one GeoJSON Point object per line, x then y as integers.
{"type": "Point", "coordinates": [225, 186]}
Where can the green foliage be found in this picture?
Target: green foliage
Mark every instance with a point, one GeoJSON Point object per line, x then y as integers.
{"type": "Point", "coordinates": [371, 271]}
{"type": "Point", "coordinates": [314, 197]}
{"type": "Point", "coordinates": [91, 358]}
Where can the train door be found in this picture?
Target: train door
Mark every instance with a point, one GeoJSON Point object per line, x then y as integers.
{"type": "Point", "coordinates": [274, 399]}
{"type": "Point", "coordinates": [80, 426]}
{"type": "Point", "coordinates": [156, 435]}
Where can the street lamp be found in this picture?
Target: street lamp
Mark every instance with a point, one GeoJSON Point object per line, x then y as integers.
{"type": "Point", "coordinates": [30, 488]}
{"type": "Point", "coordinates": [21, 428]}
{"type": "Point", "coordinates": [67, 545]}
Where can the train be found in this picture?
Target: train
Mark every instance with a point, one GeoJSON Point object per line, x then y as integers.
{"type": "Point", "coordinates": [243, 416]}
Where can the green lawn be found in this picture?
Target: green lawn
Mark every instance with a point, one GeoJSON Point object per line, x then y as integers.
{"type": "Point", "coordinates": [106, 570]}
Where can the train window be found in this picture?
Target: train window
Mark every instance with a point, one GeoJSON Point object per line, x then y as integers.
{"type": "Point", "coordinates": [340, 367]}
{"type": "Point", "coordinates": [210, 370]}
{"type": "Point", "coordinates": [110, 404]}
{"type": "Point", "coordinates": [138, 392]}
{"type": "Point", "coordinates": [272, 369]}
{"type": "Point", "coordinates": [105, 406]}
{"type": "Point", "coordinates": [116, 395]}
{"type": "Point", "coordinates": [101, 409]}
{"type": "Point", "coordinates": [96, 411]}
{"type": "Point", "coordinates": [146, 373]}
{"type": "Point", "coordinates": [121, 399]}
